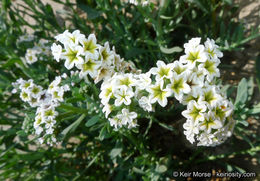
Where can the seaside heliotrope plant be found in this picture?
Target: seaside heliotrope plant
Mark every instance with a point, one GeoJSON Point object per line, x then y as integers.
{"type": "Point", "coordinates": [190, 80]}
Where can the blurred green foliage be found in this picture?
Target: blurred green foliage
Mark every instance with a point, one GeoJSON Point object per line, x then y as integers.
{"type": "Point", "coordinates": [91, 150]}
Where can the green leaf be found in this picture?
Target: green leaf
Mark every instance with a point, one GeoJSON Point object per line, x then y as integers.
{"type": "Point", "coordinates": [103, 133]}
{"type": "Point", "coordinates": [166, 17]}
{"type": "Point", "coordinates": [245, 123]}
{"type": "Point", "coordinates": [32, 156]}
{"type": "Point", "coordinates": [21, 133]}
{"type": "Point", "coordinates": [115, 152]}
{"type": "Point", "coordinates": [161, 169]}
{"type": "Point", "coordinates": [73, 126]}
{"type": "Point", "coordinates": [241, 92]}
{"type": "Point", "coordinates": [12, 61]}
{"type": "Point", "coordinates": [170, 50]}
{"type": "Point", "coordinates": [91, 13]}
{"type": "Point", "coordinates": [255, 109]}
{"type": "Point", "coordinates": [250, 88]}
{"type": "Point", "coordinates": [92, 121]}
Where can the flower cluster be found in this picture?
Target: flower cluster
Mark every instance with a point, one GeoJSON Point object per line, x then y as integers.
{"type": "Point", "coordinates": [118, 93]}
{"type": "Point", "coordinates": [26, 38]}
{"type": "Point", "coordinates": [209, 113]}
{"type": "Point", "coordinates": [46, 101]}
{"type": "Point", "coordinates": [36, 53]}
{"type": "Point", "coordinates": [90, 58]}
{"type": "Point", "coordinates": [100, 63]}
{"type": "Point", "coordinates": [190, 80]}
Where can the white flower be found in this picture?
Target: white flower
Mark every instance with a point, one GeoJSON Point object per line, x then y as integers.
{"type": "Point", "coordinates": [157, 93]}
{"type": "Point", "coordinates": [49, 131]}
{"type": "Point", "coordinates": [54, 84]}
{"type": "Point", "coordinates": [194, 53]}
{"type": "Point", "coordinates": [73, 56]}
{"type": "Point", "coordinates": [76, 37]}
{"type": "Point", "coordinates": [205, 139]}
{"type": "Point", "coordinates": [145, 103]}
{"type": "Point", "coordinates": [117, 61]}
{"type": "Point", "coordinates": [41, 140]}
{"type": "Point", "coordinates": [25, 95]}
{"type": "Point", "coordinates": [162, 71]}
{"type": "Point", "coordinates": [193, 43]}
{"type": "Point", "coordinates": [30, 56]}
{"type": "Point", "coordinates": [106, 92]}
{"type": "Point", "coordinates": [90, 46]}
{"type": "Point", "coordinates": [196, 83]}
{"type": "Point", "coordinates": [49, 123]}
{"type": "Point", "coordinates": [126, 116]}
{"type": "Point", "coordinates": [178, 86]}
{"type": "Point", "coordinates": [107, 110]}
{"type": "Point", "coordinates": [38, 121]}
{"type": "Point", "coordinates": [36, 91]}
{"type": "Point", "coordinates": [191, 96]}
{"type": "Point", "coordinates": [143, 81]}
{"type": "Point", "coordinates": [57, 94]}
{"type": "Point", "coordinates": [125, 79]}
{"type": "Point", "coordinates": [212, 49]}
{"type": "Point", "coordinates": [135, 2]}
{"type": "Point", "coordinates": [38, 130]}
{"type": "Point", "coordinates": [210, 122]}
{"type": "Point", "coordinates": [56, 51]}
{"type": "Point", "coordinates": [223, 109]}
{"type": "Point", "coordinates": [191, 128]}
{"type": "Point", "coordinates": [49, 113]}
{"type": "Point", "coordinates": [104, 73]}
{"type": "Point", "coordinates": [71, 39]}
{"type": "Point", "coordinates": [26, 38]}
{"type": "Point", "coordinates": [115, 122]}
{"type": "Point", "coordinates": [89, 66]}
{"type": "Point", "coordinates": [66, 87]}
{"type": "Point", "coordinates": [132, 124]}
{"type": "Point", "coordinates": [180, 68]}
{"type": "Point", "coordinates": [123, 95]}
{"type": "Point", "coordinates": [195, 111]}
{"type": "Point", "coordinates": [34, 102]}
{"type": "Point", "coordinates": [14, 91]}
{"type": "Point", "coordinates": [64, 75]}
{"type": "Point", "coordinates": [210, 95]}
{"type": "Point", "coordinates": [210, 69]}
{"type": "Point", "coordinates": [106, 55]}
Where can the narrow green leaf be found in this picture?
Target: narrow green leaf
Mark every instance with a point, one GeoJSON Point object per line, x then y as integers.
{"type": "Point", "coordinates": [166, 17]}
{"type": "Point", "coordinates": [103, 133]}
{"type": "Point", "coordinates": [21, 133]}
{"type": "Point", "coordinates": [91, 13]}
{"type": "Point", "coordinates": [73, 126]}
{"type": "Point", "coordinates": [12, 61]}
{"type": "Point", "coordinates": [250, 88]}
{"type": "Point", "coordinates": [115, 152]}
{"type": "Point", "coordinates": [255, 109]}
{"type": "Point", "coordinates": [242, 92]}
{"type": "Point", "coordinates": [92, 121]}
{"type": "Point", "coordinates": [170, 50]}
{"type": "Point", "coordinates": [161, 169]}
